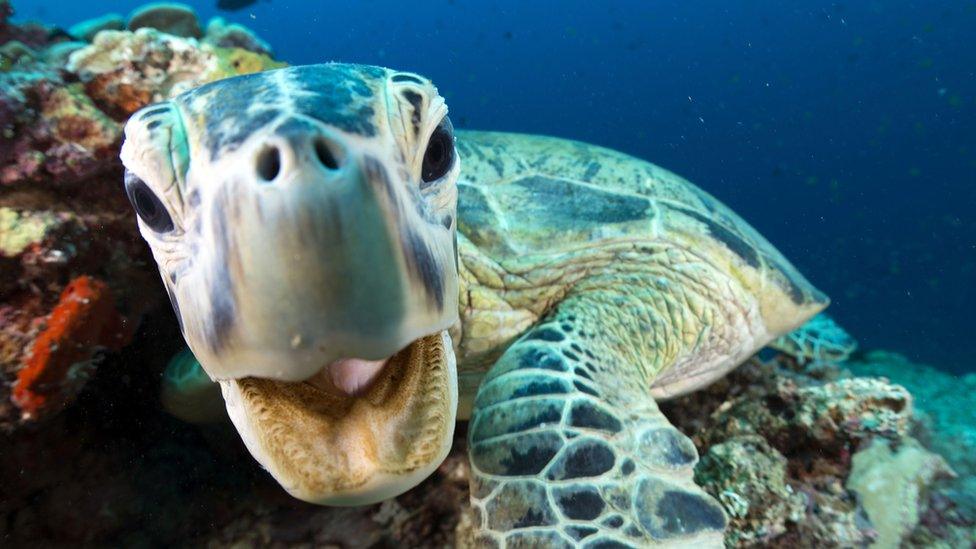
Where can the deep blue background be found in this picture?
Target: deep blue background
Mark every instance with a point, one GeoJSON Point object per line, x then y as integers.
{"type": "Point", "coordinates": [845, 132]}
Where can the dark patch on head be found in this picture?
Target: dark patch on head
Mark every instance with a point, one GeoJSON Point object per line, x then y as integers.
{"type": "Point", "coordinates": [545, 334]}
{"type": "Point", "coordinates": [425, 266]}
{"type": "Point", "coordinates": [570, 355]}
{"type": "Point", "coordinates": [446, 221]}
{"type": "Point", "coordinates": [223, 309]}
{"type": "Point", "coordinates": [296, 130]}
{"type": "Point", "coordinates": [153, 125]}
{"type": "Point", "coordinates": [587, 414]}
{"type": "Point", "coordinates": [376, 175]}
{"type": "Point", "coordinates": [543, 358]}
{"type": "Point", "coordinates": [583, 373]}
{"type": "Point", "coordinates": [732, 241]}
{"type": "Point", "coordinates": [580, 503]}
{"type": "Point", "coordinates": [338, 95]}
{"type": "Point", "coordinates": [616, 521]}
{"type": "Point", "coordinates": [406, 78]}
{"type": "Point", "coordinates": [416, 103]}
{"type": "Point", "coordinates": [153, 112]}
{"type": "Point", "coordinates": [586, 458]}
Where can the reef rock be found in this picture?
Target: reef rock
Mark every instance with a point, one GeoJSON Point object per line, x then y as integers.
{"type": "Point", "coordinates": [231, 35]}
{"type": "Point", "coordinates": [749, 477]}
{"type": "Point", "coordinates": [171, 18]}
{"type": "Point", "coordinates": [122, 71]}
{"type": "Point", "coordinates": [86, 30]}
{"type": "Point", "coordinates": [891, 481]}
{"type": "Point", "coordinates": [74, 281]}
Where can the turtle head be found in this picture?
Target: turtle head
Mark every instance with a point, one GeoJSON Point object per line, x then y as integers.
{"type": "Point", "coordinates": [303, 222]}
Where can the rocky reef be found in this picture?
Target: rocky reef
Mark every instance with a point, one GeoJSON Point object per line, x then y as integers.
{"type": "Point", "coordinates": [74, 280]}
{"type": "Point", "coordinates": [872, 451]}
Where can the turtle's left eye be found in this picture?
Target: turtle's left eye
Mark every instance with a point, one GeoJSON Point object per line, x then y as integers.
{"type": "Point", "coordinates": [439, 156]}
{"type": "Point", "coordinates": [146, 204]}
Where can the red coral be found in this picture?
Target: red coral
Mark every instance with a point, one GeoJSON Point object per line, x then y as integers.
{"type": "Point", "coordinates": [84, 320]}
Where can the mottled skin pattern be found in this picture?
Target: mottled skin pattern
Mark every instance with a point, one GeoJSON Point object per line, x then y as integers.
{"type": "Point", "coordinates": [589, 283]}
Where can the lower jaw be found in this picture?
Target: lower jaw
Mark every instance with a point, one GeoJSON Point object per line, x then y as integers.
{"type": "Point", "coordinates": [352, 443]}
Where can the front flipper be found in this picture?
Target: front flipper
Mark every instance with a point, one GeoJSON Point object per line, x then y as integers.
{"type": "Point", "coordinates": [569, 450]}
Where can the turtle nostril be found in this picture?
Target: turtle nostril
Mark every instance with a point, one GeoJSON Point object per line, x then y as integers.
{"type": "Point", "coordinates": [269, 163]}
{"type": "Point", "coordinates": [326, 152]}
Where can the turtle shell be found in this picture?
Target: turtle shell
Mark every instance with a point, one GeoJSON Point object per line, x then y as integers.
{"type": "Point", "coordinates": [522, 196]}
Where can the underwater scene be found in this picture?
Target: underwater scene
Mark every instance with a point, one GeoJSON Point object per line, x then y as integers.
{"type": "Point", "coordinates": [493, 274]}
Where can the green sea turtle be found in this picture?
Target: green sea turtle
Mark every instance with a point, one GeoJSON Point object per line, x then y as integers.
{"type": "Point", "coordinates": [356, 279]}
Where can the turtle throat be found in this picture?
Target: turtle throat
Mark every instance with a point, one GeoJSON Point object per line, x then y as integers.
{"type": "Point", "coordinates": [356, 432]}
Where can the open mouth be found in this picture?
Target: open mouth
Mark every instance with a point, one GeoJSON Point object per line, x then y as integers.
{"type": "Point", "coordinates": [357, 431]}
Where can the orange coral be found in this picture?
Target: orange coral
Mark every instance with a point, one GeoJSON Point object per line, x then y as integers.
{"type": "Point", "coordinates": [84, 319]}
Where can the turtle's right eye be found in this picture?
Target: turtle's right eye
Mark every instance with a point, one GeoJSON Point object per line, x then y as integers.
{"type": "Point", "coordinates": [149, 208]}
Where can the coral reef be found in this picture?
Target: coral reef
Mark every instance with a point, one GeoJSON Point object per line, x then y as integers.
{"type": "Point", "coordinates": [66, 228]}
{"type": "Point", "coordinates": [891, 482]}
{"type": "Point", "coordinates": [793, 452]}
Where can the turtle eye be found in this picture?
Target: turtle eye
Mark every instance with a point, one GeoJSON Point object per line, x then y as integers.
{"type": "Point", "coordinates": [149, 208]}
{"type": "Point", "coordinates": [439, 156]}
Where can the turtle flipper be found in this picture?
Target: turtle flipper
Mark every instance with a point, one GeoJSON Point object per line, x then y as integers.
{"type": "Point", "coordinates": [564, 455]}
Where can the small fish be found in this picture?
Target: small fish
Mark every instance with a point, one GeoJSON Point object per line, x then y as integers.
{"type": "Point", "coordinates": [232, 5]}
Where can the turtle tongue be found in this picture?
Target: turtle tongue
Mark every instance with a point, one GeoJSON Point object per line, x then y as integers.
{"type": "Point", "coordinates": [359, 431]}
{"type": "Point", "coordinates": [348, 376]}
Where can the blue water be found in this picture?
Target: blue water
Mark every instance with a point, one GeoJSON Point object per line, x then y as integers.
{"type": "Point", "coordinates": [844, 132]}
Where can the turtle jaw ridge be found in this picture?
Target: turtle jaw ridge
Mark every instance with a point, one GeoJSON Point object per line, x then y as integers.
{"type": "Point", "coordinates": [333, 449]}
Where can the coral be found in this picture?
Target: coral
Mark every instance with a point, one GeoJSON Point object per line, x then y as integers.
{"type": "Point", "coordinates": [63, 216]}
{"type": "Point", "coordinates": [749, 477]}
{"type": "Point", "coordinates": [771, 436]}
{"type": "Point", "coordinates": [947, 412]}
{"type": "Point", "coordinates": [84, 320]}
{"type": "Point", "coordinates": [171, 18]}
{"type": "Point", "coordinates": [122, 71]}
{"type": "Point", "coordinates": [54, 131]}
{"type": "Point", "coordinates": [19, 231]}
{"type": "Point", "coordinates": [222, 34]}
{"type": "Point", "coordinates": [86, 30]}
{"type": "Point", "coordinates": [891, 482]}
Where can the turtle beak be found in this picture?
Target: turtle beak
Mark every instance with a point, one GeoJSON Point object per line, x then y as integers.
{"type": "Point", "coordinates": [333, 360]}
{"type": "Point", "coordinates": [330, 448]}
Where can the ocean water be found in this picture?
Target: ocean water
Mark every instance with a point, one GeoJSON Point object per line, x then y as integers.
{"type": "Point", "coordinates": [845, 132]}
